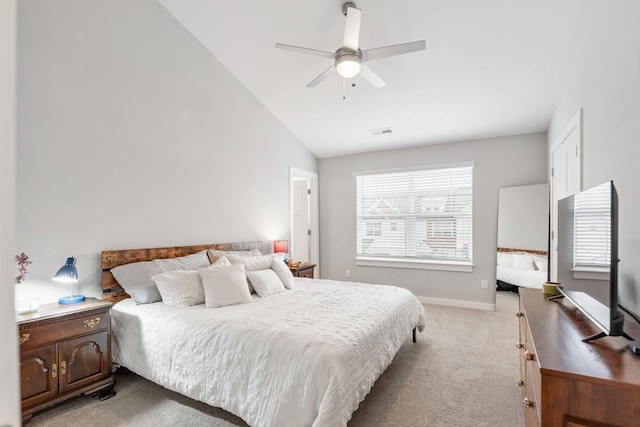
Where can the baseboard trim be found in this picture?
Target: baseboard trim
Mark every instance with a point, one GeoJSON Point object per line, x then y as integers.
{"type": "Point", "coordinates": [458, 303]}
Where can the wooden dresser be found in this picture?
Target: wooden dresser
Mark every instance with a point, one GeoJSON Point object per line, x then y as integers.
{"type": "Point", "coordinates": [566, 382]}
{"type": "Point", "coordinates": [64, 352]}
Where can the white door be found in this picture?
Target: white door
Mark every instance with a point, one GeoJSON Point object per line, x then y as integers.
{"type": "Point", "coordinates": [566, 177]}
{"type": "Point", "coordinates": [301, 226]}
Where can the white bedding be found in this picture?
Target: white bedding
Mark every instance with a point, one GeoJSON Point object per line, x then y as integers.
{"type": "Point", "coordinates": [303, 357]}
{"type": "Point", "coordinates": [520, 277]}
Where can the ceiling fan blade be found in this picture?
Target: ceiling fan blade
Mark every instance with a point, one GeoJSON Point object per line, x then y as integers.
{"type": "Point", "coordinates": [370, 75]}
{"type": "Point", "coordinates": [321, 77]}
{"type": "Point", "coordinates": [352, 29]}
{"type": "Point", "coordinates": [306, 50]}
{"type": "Point", "coordinates": [398, 49]}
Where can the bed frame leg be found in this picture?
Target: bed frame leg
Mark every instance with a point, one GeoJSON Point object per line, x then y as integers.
{"type": "Point", "coordinates": [414, 334]}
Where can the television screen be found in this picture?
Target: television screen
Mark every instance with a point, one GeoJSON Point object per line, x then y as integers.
{"type": "Point", "coordinates": [588, 256]}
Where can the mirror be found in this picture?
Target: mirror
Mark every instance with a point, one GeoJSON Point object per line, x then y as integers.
{"type": "Point", "coordinates": [523, 232]}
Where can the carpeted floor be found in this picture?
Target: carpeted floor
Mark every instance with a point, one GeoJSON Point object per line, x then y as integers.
{"type": "Point", "coordinates": [463, 371]}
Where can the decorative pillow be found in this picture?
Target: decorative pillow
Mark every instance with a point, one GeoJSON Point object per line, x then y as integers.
{"type": "Point", "coordinates": [225, 285]}
{"type": "Point", "coordinates": [505, 259]}
{"type": "Point", "coordinates": [523, 261]}
{"type": "Point", "coordinates": [135, 278]}
{"type": "Point", "coordinates": [255, 262]}
{"type": "Point", "coordinates": [541, 264]}
{"type": "Point", "coordinates": [283, 272]}
{"type": "Point", "coordinates": [265, 282]}
{"type": "Point", "coordinates": [180, 288]}
{"type": "Point", "coordinates": [214, 254]}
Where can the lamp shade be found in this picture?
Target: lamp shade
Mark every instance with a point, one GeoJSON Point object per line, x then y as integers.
{"type": "Point", "coordinates": [280, 246]}
{"type": "Point", "coordinates": [68, 273]}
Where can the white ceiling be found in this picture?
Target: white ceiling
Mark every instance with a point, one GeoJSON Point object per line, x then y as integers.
{"type": "Point", "coordinates": [491, 67]}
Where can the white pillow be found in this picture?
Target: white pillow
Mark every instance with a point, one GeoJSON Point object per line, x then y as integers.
{"type": "Point", "coordinates": [523, 261]}
{"type": "Point", "coordinates": [225, 285]}
{"type": "Point", "coordinates": [214, 254]}
{"type": "Point", "coordinates": [283, 272]}
{"type": "Point", "coordinates": [180, 288]}
{"type": "Point", "coordinates": [541, 264]}
{"type": "Point", "coordinates": [265, 282]}
{"type": "Point", "coordinates": [255, 262]}
{"type": "Point", "coordinates": [505, 259]}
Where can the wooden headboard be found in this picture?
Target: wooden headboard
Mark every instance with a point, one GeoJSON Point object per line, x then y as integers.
{"type": "Point", "coordinates": [111, 289]}
{"type": "Point", "coordinates": [543, 253]}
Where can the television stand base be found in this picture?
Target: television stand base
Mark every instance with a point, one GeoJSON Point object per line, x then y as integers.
{"type": "Point", "coordinates": [603, 334]}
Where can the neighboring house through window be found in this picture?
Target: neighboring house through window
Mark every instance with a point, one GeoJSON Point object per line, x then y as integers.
{"type": "Point", "coordinates": [415, 216]}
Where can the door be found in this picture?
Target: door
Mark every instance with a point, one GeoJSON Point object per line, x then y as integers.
{"type": "Point", "coordinates": [301, 225]}
{"type": "Point", "coordinates": [303, 231]}
{"type": "Point", "coordinates": [566, 177]}
{"type": "Point", "coordinates": [38, 375]}
{"type": "Point", "coordinates": [83, 361]}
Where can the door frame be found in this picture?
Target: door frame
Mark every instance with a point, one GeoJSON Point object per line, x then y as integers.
{"type": "Point", "coordinates": [314, 242]}
{"type": "Point", "coordinates": [574, 125]}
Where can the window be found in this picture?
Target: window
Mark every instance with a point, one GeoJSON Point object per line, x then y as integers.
{"type": "Point", "coordinates": [420, 215]}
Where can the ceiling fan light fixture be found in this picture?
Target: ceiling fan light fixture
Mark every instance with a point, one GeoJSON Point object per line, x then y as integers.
{"type": "Point", "coordinates": [348, 65]}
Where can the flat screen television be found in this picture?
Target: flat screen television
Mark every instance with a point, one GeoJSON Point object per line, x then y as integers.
{"type": "Point", "coordinates": [588, 256]}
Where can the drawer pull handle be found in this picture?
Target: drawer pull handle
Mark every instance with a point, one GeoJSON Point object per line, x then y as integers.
{"type": "Point", "coordinates": [527, 403]}
{"type": "Point", "coordinates": [54, 370]}
{"type": "Point", "coordinates": [24, 338]}
{"type": "Point", "coordinates": [519, 345]}
{"type": "Point", "coordinates": [91, 322]}
{"type": "Point", "coordinates": [520, 383]}
{"type": "Point", "coordinates": [519, 314]}
{"type": "Point", "coordinates": [63, 368]}
{"type": "Point", "coordinates": [528, 355]}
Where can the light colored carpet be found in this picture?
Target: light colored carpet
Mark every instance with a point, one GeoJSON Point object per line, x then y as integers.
{"type": "Point", "coordinates": [462, 372]}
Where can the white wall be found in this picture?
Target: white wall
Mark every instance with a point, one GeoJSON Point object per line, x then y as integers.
{"type": "Point", "coordinates": [602, 77]}
{"type": "Point", "coordinates": [10, 390]}
{"type": "Point", "coordinates": [131, 134]}
{"type": "Point", "coordinates": [499, 162]}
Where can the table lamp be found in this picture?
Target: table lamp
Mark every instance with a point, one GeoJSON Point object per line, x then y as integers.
{"type": "Point", "coordinates": [68, 273]}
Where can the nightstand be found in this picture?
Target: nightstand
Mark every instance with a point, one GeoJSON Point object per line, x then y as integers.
{"type": "Point", "coordinates": [65, 351]}
{"type": "Point", "coordinates": [303, 270]}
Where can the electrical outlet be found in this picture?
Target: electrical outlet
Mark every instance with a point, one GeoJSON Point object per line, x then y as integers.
{"type": "Point", "coordinates": [347, 273]}
{"type": "Point", "coordinates": [484, 284]}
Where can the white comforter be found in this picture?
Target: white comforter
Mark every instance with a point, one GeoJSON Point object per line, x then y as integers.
{"type": "Point", "coordinates": [520, 277]}
{"type": "Point", "coordinates": [305, 357]}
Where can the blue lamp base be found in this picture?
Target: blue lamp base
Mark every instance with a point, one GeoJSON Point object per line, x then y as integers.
{"type": "Point", "coordinates": [72, 299]}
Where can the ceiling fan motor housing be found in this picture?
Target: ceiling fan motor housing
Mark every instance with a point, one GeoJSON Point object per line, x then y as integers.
{"type": "Point", "coordinates": [348, 62]}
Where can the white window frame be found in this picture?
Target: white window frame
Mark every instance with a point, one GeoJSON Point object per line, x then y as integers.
{"type": "Point", "coordinates": [416, 263]}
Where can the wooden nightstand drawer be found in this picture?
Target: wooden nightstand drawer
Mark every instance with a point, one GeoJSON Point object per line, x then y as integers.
{"type": "Point", "coordinates": [40, 334]}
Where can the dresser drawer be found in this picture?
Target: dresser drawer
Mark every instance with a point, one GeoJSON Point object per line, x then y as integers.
{"type": "Point", "coordinates": [35, 335]}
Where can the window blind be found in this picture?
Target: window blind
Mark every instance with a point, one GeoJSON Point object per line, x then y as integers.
{"type": "Point", "coordinates": [424, 214]}
{"type": "Point", "coordinates": [592, 233]}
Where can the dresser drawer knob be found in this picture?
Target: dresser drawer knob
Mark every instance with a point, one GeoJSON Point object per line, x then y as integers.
{"type": "Point", "coordinates": [519, 314]}
{"type": "Point", "coordinates": [520, 383]}
{"type": "Point", "coordinates": [527, 403]}
{"type": "Point", "coordinates": [519, 345]}
{"type": "Point", "coordinates": [528, 355]}
{"type": "Point", "coordinates": [24, 338]}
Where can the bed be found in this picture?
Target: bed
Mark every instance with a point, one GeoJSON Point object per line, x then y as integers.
{"type": "Point", "coordinates": [306, 356]}
{"type": "Point", "coordinates": [518, 268]}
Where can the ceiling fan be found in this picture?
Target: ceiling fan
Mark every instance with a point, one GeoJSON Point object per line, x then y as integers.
{"type": "Point", "coordinates": [349, 60]}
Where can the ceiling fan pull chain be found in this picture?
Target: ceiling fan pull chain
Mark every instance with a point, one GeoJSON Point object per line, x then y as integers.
{"type": "Point", "coordinates": [344, 88]}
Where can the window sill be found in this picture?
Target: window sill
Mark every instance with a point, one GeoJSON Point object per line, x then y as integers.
{"type": "Point", "coordinates": [591, 274]}
{"type": "Point", "coordinates": [462, 267]}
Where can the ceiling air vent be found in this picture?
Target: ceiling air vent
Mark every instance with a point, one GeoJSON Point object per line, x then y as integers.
{"type": "Point", "coordinates": [384, 131]}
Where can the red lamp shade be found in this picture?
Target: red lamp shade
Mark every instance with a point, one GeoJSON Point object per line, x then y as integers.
{"type": "Point", "coordinates": [280, 246]}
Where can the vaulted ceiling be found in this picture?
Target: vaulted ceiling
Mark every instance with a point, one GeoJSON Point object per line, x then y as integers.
{"type": "Point", "coordinates": [490, 68]}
